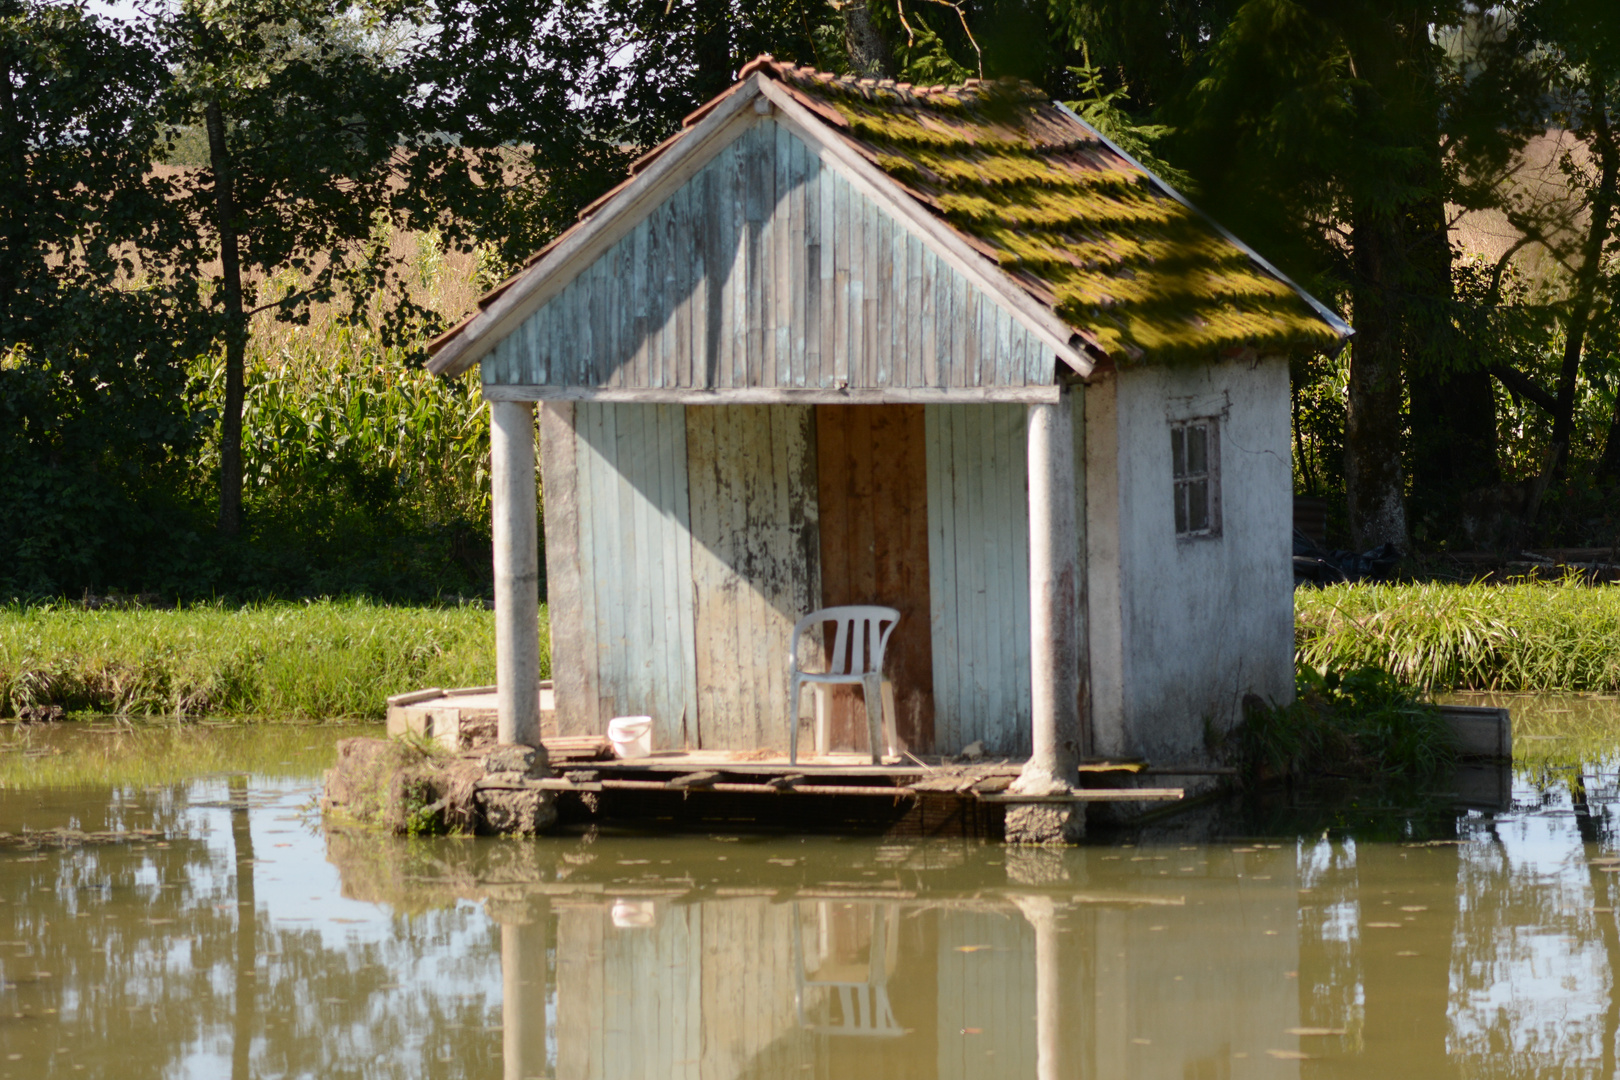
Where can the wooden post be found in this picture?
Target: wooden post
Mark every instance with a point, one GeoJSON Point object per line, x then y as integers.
{"type": "Point", "coordinates": [1054, 626]}
{"type": "Point", "coordinates": [517, 572]}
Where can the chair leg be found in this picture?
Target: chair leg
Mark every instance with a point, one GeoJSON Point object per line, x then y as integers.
{"type": "Point", "coordinates": [891, 719]}
{"type": "Point", "coordinates": [795, 689]}
{"type": "Point", "coordinates": [872, 691]}
{"type": "Point", "coordinates": [823, 729]}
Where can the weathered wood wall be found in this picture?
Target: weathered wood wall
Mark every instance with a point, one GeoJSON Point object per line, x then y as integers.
{"type": "Point", "coordinates": [755, 563]}
{"type": "Point", "coordinates": [978, 568]}
{"type": "Point", "coordinates": [767, 269]}
{"type": "Point", "coordinates": [684, 542]}
{"type": "Point", "coordinates": [872, 485]}
{"type": "Point", "coordinates": [635, 559]}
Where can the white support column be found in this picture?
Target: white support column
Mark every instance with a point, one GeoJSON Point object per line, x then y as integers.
{"type": "Point", "coordinates": [517, 571]}
{"type": "Point", "coordinates": [1054, 613]}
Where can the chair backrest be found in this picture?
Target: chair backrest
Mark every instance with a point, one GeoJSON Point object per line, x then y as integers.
{"type": "Point", "coordinates": [859, 641]}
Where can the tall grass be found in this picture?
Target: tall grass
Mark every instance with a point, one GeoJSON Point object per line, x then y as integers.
{"type": "Point", "coordinates": [316, 661]}
{"type": "Point", "coordinates": [1562, 636]}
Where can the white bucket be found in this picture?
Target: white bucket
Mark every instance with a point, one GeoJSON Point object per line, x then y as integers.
{"type": "Point", "coordinates": [631, 736]}
{"type": "Point", "coordinates": [634, 914]}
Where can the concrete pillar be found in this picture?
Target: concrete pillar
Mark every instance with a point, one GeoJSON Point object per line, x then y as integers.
{"type": "Point", "coordinates": [1054, 627]}
{"type": "Point", "coordinates": [523, 995]}
{"type": "Point", "coordinates": [1054, 601]}
{"type": "Point", "coordinates": [517, 571]}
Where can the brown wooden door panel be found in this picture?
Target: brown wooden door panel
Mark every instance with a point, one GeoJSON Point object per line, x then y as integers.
{"type": "Point", "coordinates": [872, 486]}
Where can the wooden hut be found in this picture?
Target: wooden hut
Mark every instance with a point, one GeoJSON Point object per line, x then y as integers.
{"type": "Point", "coordinates": [945, 349]}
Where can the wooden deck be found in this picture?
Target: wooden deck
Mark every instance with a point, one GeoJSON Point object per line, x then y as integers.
{"type": "Point", "coordinates": [700, 789]}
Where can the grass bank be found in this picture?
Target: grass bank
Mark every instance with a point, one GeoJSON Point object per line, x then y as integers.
{"type": "Point", "coordinates": [317, 661]}
{"type": "Point", "coordinates": [1540, 637]}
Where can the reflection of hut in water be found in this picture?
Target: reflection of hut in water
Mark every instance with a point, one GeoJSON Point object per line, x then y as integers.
{"type": "Point", "coordinates": [942, 349]}
{"type": "Point", "coordinates": [1061, 966]}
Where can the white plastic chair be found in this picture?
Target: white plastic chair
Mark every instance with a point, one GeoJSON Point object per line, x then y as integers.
{"type": "Point", "coordinates": [862, 991]}
{"type": "Point", "coordinates": [856, 660]}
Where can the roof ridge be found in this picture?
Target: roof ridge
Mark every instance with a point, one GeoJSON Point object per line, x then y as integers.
{"type": "Point", "coordinates": [864, 86]}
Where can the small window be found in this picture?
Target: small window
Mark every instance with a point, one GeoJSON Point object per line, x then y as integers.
{"type": "Point", "coordinates": [1195, 464]}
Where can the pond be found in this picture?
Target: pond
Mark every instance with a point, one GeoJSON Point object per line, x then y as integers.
{"type": "Point", "coordinates": [166, 911]}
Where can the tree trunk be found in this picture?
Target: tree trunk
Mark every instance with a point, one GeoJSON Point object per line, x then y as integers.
{"type": "Point", "coordinates": [1587, 280]}
{"type": "Point", "coordinates": [868, 52]}
{"type": "Point", "coordinates": [1453, 403]}
{"type": "Point", "coordinates": [1605, 145]}
{"type": "Point", "coordinates": [1372, 435]}
{"type": "Point", "coordinates": [13, 198]}
{"type": "Point", "coordinates": [230, 425]}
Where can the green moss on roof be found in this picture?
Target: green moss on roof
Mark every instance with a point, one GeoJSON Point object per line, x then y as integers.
{"type": "Point", "coordinates": [1117, 256]}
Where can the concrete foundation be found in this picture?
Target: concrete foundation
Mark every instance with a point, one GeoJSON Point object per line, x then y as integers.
{"type": "Point", "coordinates": [1046, 823]}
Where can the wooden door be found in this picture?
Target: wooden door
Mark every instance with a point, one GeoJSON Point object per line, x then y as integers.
{"type": "Point", "coordinates": [872, 484]}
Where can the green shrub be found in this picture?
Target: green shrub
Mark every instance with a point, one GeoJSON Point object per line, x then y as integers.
{"type": "Point", "coordinates": [1359, 723]}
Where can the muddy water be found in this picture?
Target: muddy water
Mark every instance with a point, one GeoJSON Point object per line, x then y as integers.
{"type": "Point", "coordinates": [209, 927]}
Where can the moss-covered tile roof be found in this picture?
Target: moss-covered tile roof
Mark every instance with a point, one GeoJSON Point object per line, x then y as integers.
{"type": "Point", "coordinates": [1134, 270]}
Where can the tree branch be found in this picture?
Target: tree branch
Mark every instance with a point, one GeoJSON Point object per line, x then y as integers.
{"type": "Point", "coordinates": [1526, 387]}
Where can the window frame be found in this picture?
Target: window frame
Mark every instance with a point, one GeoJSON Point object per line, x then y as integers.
{"type": "Point", "coordinates": [1184, 481]}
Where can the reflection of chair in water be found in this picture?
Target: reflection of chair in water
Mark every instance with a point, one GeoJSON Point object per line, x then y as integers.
{"type": "Point", "coordinates": [861, 989]}
{"type": "Point", "coordinates": [856, 660]}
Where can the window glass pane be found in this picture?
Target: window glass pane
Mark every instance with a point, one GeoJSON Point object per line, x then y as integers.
{"type": "Point", "coordinates": [1197, 505]}
{"type": "Point", "coordinates": [1197, 445]}
{"type": "Point", "coordinates": [1181, 508]}
{"type": "Point", "coordinates": [1178, 455]}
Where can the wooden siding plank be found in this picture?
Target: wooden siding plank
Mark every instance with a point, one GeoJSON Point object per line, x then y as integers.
{"type": "Point", "coordinates": [588, 436]}
{"type": "Point", "coordinates": [787, 238]}
{"type": "Point", "coordinates": [738, 281]}
{"type": "Point", "coordinates": [992, 510]}
{"type": "Point", "coordinates": [823, 237]}
{"type": "Point", "coordinates": [761, 194]}
{"type": "Point", "coordinates": [606, 500]}
{"type": "Point", "coordinates": [799, 264]}
{"type": "Point", "coordinates": [683, 256]}
{"type": "Point", "coordinates": [841, 281]}
{"type": "Point", "coordinates": [707, 569]}
{"type": "Point", "coordinates": [927, 312]}
{"type": "Point", "coordinates": [570, 645]}
{"type": "Point", "coordinates": [942, 563]}
{"type": "Point", "coordinates": [912, 322]}
{"type": "Point", "coordinates": [736, 443]}
{"type": "Point", "coordinates": [642, 599]}
{"type": "Point", "coordinates": [901, 310]}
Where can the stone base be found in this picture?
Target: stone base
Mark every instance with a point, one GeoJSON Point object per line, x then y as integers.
{"type": "Point", "coordinates": [402, 788]}
{"type": "Point", "coordinates": [1046, 823]}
